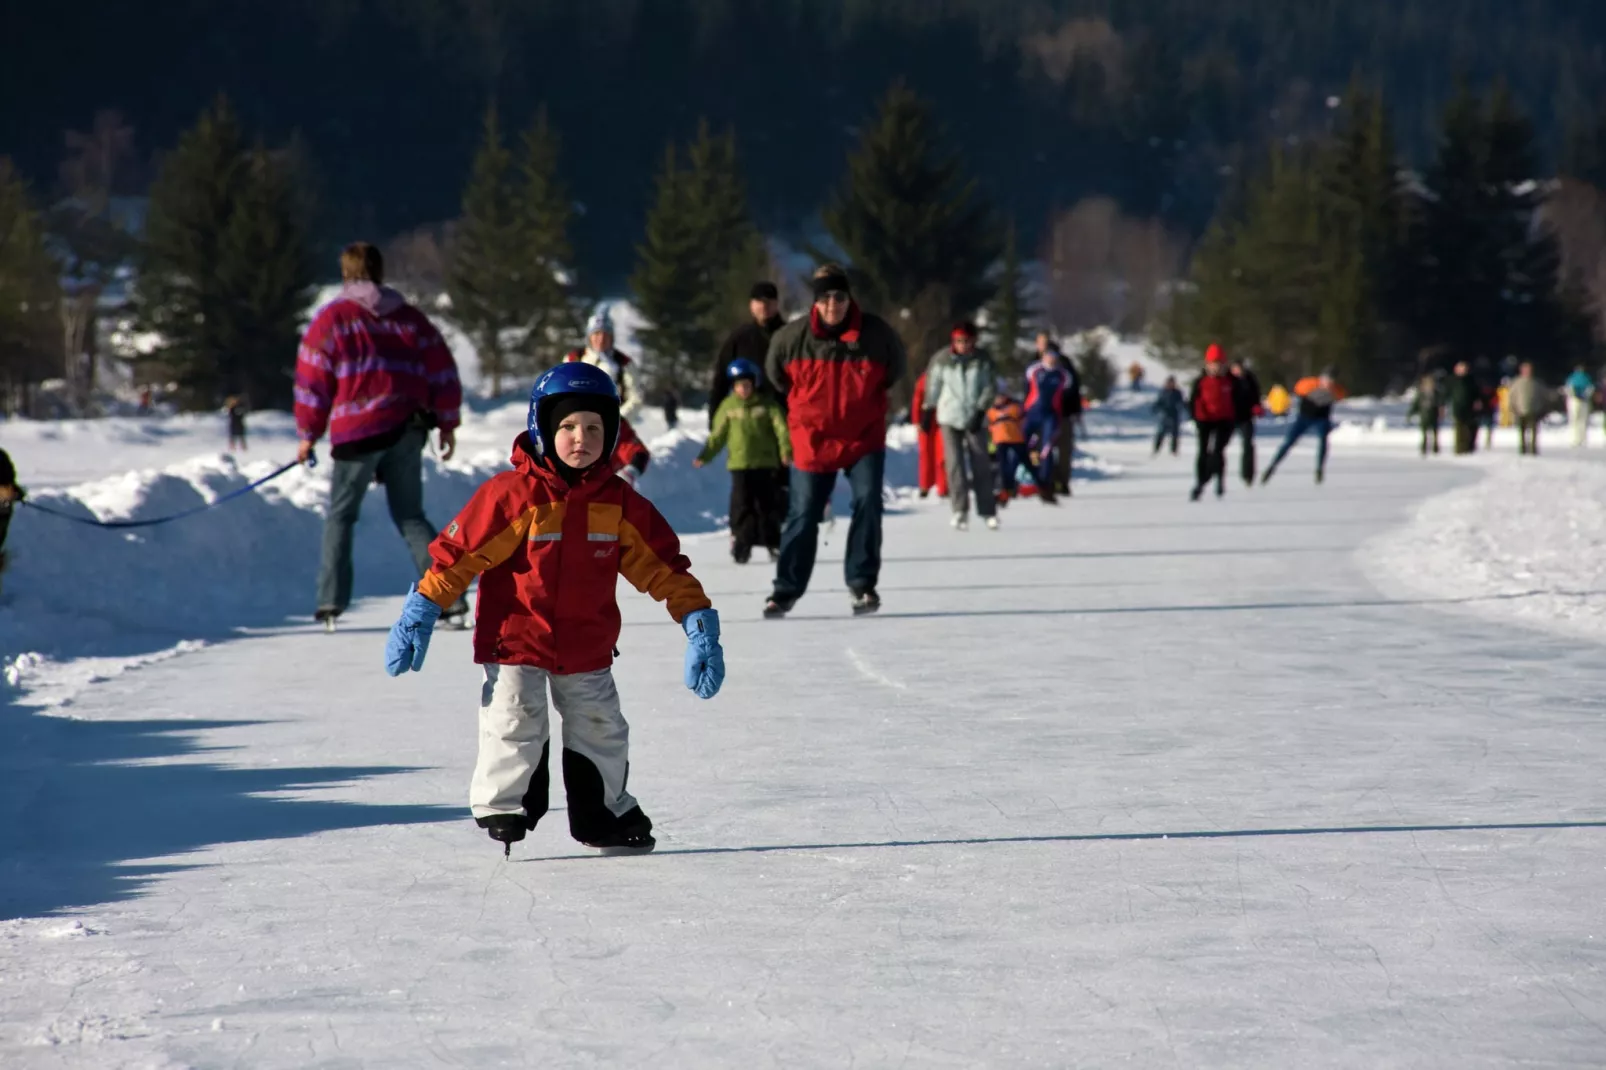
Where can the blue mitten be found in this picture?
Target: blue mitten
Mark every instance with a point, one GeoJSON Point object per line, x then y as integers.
{"type": "Point", "coordinates": [409, 636]}
{"type": "Point", "coordinates": [705, 660]}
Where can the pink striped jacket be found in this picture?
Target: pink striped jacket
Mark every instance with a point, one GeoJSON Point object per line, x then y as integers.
{"type": "Point", "coordinates": [367, 363]}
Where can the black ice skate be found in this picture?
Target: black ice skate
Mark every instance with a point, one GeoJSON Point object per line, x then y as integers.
{"type": "Point", "coordinates": [778, 606]}
{"type": "Point", "coordinates": [632, 834]}
{"type": "Point", "coordinates": [865, 602]}
{"type": "Point", "coordinates": [326, 616]}
{"type": "Point", "coordinates": [505, 829]}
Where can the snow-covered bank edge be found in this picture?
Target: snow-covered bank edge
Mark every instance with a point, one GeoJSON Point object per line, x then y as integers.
{"type": "Point", "coordinates": [1524, 543]}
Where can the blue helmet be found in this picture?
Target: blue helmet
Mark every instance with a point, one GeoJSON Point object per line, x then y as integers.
{"type": "Point", "coordinates": [742, 368]}
{"type": "Point", "coordinates": [573, 380]}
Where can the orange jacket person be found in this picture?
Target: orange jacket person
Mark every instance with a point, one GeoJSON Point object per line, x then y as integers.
{"type": "Point", "coordinates": [1007, 422]}
{"type": "Point", "coordinates": [1317, 395]}
{"type": "Point", "coordinates": [933, 473]}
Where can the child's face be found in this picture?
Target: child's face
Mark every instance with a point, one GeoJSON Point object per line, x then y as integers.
{"type": "Point", "coordinates": [743, 388]}
{"type": "Point", "coordinates": [579, 439]}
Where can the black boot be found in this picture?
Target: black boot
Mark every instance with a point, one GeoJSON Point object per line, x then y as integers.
{"type": "Point", "coordinates": [505, 829]}
{"type": "Point", "coordinates": [632, 832]}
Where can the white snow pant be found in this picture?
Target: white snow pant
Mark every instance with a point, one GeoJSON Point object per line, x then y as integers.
{"type": "Point", "coordinates": [511, 776]}
{"type": "Point", "coordinates": [1577, 418]}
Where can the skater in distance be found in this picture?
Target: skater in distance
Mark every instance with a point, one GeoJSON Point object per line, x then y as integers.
{"type": "Point", "coordinates": [548, 541]}
{"type": "Point", "coordinates": [960, 381]}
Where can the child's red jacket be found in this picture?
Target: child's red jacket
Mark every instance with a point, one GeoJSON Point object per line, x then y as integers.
{"type": "Point", "coordinates": [548, 556]}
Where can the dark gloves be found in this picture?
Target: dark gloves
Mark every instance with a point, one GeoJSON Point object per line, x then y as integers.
{"type": "Point", "coordinates": [978, 420]}
{"type": "Point", "coordinates": [928, 420]}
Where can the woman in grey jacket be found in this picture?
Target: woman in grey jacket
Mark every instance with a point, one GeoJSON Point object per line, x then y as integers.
{"type": "Point", "coordinates": [960, 382]}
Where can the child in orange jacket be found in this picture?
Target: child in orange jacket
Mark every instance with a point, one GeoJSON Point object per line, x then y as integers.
{"type": "Point", "coordinates": [1006, 420]}
{"type": "Point", "coordinates": [548, 540]}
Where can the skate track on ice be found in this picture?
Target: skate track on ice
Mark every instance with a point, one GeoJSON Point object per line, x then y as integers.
{"type": "Point", "coordinates": [1135, 782]}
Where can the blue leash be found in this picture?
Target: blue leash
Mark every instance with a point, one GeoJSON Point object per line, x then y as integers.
{"type": "Point", "coordinates": [230, 496]}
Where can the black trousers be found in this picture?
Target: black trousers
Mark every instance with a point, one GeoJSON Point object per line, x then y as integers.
{"type": "Point", "coordinates": [758, 508]}
{"type": "Point", "coordinates": [1166, 430]}
{"type": "Point", "coordinates": [1466, 436]}
{"type": "Point", "coordinates": [1246, 434]}
{"type": "Point", "coordinates": [1214, 437]}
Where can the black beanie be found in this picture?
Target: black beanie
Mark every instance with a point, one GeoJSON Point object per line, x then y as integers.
{"type": "Point", "coordinates": [835, 279]}
{"type": "Point", "coordinates": [553, 411]}
{"type": "Point", "coordinates": [764, 291]}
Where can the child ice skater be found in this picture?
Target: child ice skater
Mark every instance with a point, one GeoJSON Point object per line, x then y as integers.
{"type": "Point", "coordinates": [548, 540]}
{"type": "Point", "coordinates": [753, 425]}
{"type": "Point", "coordinates": [1005, 420]}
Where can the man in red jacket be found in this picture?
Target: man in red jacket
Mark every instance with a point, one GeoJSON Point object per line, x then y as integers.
{"type": "Point", "coordinates": [1215, 415]}
{"type": "Point", "coordinates": [835, 367]}
{"type": "Point", "coordinates": [375, 373]}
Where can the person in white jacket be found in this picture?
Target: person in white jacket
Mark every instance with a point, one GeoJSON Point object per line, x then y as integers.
{"type": "Point", "coordinates": [599, 352]}
{"type": "Point", "coordinates": [1580, 396]}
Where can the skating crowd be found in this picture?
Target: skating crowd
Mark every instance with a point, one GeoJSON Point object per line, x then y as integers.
{"type": "Point", "coordinates": [792, 405]}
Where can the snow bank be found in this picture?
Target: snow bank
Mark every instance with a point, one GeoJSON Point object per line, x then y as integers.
{"type": "Point", "coordinates": [82, 603]}
{"type": "Point", "coordinates": [1525, 542]}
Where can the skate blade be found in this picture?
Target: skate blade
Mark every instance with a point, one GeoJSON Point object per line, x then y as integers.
{"type": "Point", "coordinates": [865, 611]}
{"type": "Point", "coordinates": [625, 852]}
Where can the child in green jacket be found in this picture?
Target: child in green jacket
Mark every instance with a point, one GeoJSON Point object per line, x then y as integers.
{"type": "Point", "coordinates": [754, 427]}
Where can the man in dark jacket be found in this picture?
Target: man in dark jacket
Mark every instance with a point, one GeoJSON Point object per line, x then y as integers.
{"type": "Point", "coordinates": [835, 366]}
{"type": "Point", "coordinates": [1466, 406]}
{"type": "Point", "coordinates": [1070, 415]}
{"type": "Point", "coordinates": [1246, 397]}
{"type": "Point", "coordinates": [751, 341]}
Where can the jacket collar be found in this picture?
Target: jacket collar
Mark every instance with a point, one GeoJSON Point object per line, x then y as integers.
{"type": "Point", "coordinates": [848, 332]}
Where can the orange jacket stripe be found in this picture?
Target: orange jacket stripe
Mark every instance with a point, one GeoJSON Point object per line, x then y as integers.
{"type": "Point", "coordinates": [446, 583]}
{"type": "Point", "coordinates": [641, 562]}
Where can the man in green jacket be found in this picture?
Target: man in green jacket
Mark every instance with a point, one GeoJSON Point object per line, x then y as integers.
{"type": "Point", "coordinates": [752, 424]}
{"type": "Point", "coordinates": [1466, 405]}
{"type": "Point", "coordinates": [960, 383]}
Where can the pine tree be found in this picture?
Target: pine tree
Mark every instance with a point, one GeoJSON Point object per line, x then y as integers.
{"type": "Point", "coordinates": [489, 279]}
{"type": "Point", "coordinates": [1364, 221]}
{"type": "Point", "coordinates": [30, 295]}
{"type": "Point", "coordinates": [1487, 275]}
{"type": "Point", "coordinates": [1009, 313]}
{"type": "Point", "coordinates": [698, 258]}
{"type": "Point", "coordinates": [908, 219]}
{"type": "Point", "coordinates": [672, 297]}
{"type": "Point", "coordinates": [545, 212]}
{"type": "Point", "coordinates": [224, 279]}
{"type": "Point", "coordinates": [265, 267]}
{"type": "Point", "coordinates": [1301, 278]}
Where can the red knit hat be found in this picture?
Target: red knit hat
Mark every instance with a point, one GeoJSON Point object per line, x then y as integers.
{"type": "Point", "coordinates": [1213, 354]}
{"type": "Point", "coordinates": [963, 330]}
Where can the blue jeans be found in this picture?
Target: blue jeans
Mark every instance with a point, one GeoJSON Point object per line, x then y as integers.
{"type": "Point", "coordinates": [800, 538]}
{"type": "Point", "coordinates": [1011, 455]}
{"type": "Point", "coordinates": [1043, 429]}
{"type": "Point", "coordinates": [1297, 430]}
{"type": "Point", "coordinates": [402, 469]}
